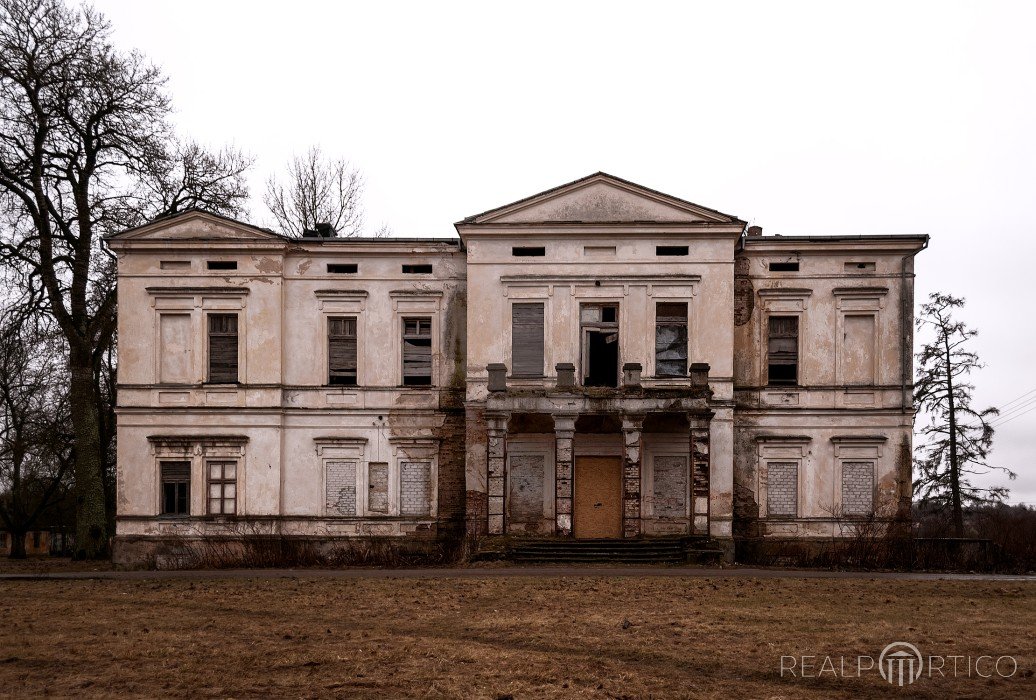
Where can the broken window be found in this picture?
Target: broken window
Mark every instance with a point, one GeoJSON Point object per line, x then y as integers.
{"type": "Point", "coordinates": [671, 339]}
{"type": "Point", "coordinates": [417, 351]}
{"type": "Point", "coordinates": [341, 351]}
{"type": "Point", "coordinates": [222, 488]}
{"type": "Point", "coordinates": [783, 350]}
{"type": "Point", "coordinates": [599, 325]}
{"type": "Point", "coordinates": [176, 488]}
{"type": "Point", "coordinates": [527, 340]}
{"type": "Point", "coordinates": [223, 348]}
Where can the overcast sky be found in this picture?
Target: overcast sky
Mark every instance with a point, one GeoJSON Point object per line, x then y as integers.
{"type": "Point", "coordinates": [803, 118]}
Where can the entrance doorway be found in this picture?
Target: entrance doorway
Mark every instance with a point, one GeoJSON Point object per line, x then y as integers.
{"type": "Point", "coordinates": [599, 324]}
{"type": "Point", "coordinates": [597, 497]}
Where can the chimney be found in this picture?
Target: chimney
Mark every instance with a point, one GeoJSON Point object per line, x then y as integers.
{"type": "Point", "coordinates": [754, 231]}
{"type": "Point", "coordinates": [321, 230]}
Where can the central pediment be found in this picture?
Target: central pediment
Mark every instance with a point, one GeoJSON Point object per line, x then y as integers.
{"type": "Point", "coordinates": [598, 199]}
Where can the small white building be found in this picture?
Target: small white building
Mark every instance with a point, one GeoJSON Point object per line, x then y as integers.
{"type": "Point", "coordinates": [597, 360]}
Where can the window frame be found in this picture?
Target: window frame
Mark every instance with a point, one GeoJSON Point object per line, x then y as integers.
{"type": "Point", "coordinates": [331, 338]}
{"type": "Point", "coordinates": [601, 326]}
{"type": "Point", "coordinates": [687, 337]}
{"type": "Point", "coordinates": [186, 496]}
{"type": "Point", "coordinates": [209, 335]}
{"type": "Point", "coordinates": [797, 381]}
{"type": "Point", "coordinates": [404, 337]}
{"type": "Point", "coordinates": [221, 483]}
{"type": "Point", "coordinates": [541, 372]}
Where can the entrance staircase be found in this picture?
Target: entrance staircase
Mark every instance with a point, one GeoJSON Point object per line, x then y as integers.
{"type": "Point", "coordinates": [661, 550]}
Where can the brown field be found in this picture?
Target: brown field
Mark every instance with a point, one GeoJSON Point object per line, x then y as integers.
{"type": "Point", "coordinates": [500, 637]}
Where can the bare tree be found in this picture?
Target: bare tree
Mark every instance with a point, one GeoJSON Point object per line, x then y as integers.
{"type": "Point", "coordinates": [959, 438]}
{"type": "Point", "coordinates": [86, 149]}
{"type": "Point", "coordinates": [316, 190]}
{"type": "Point", "coordinates": [35, 426]}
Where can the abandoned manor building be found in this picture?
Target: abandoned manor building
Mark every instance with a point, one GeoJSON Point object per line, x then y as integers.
{"type": "Point", "coordinates": [599, 360]}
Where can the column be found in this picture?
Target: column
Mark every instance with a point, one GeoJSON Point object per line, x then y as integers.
{"type": "Point", "coordinates": [564, 432]}
{"type": "Point", "coordinates": [632, 428]}
{"type": "Point", "coordinates": [496, 475]}
{"type": "Point", "coordinates": [700, 471]}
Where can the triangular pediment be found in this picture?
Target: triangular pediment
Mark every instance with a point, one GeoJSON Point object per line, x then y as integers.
{"type": "Point", "coordinates": [601, 198]}
{"type": "Point", "coordinates": [196, 225]}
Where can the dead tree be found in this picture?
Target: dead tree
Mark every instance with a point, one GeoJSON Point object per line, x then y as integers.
{"type": "Point", "coordinates": [316, 190]}
{"type": "Point", "coordinates": [86, 149]}
{"type": "Point", "coordinates": [958, 437]}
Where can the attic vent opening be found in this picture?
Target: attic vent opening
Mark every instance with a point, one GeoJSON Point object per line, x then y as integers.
{"type": "Point", "coordinates": [417, 269]}
{"type": "Point", "coordinates": [859, 267]}
{"type": "Point", "coordinates": [342, 268]}
{"type": "Point", "coordinates": [784, 266]}
{"type": "Point", "coordinates": [221, 264]}
{"type": "Point", "coordinates": [528, 251]}
{"type": "Point", "coordinates": [670, 250]}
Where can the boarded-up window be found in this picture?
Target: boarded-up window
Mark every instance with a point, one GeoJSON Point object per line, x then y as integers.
{"type": "Point", "coordinates": [858, 349]}
{"type": "Point", "coordinates": [525, 495]}
{"type": "Point", "coordinates": [857, 488]}
{"type": "Point", "coordinates": [415, 488]}
{"type": "Point", "coordinates": [670, 486]}
{"type": "Point", "coordinates": [341, 351]}
{"type": "Point", "coordinates": [377, 487]}
{"type": "Point", "coordinates": [341, 487]}
{"type": "Point", "coordinates": [223, 348]}
{"type": "Point", "coordinates": [175, 348]}
{"type": "Point", "coordinates": [417, 351]}
{"type": "Point", "coordinates": [527, 340]}
{"type": "Point", "coordinates": [783, 350]}
{"type": "Point", "coordinates": [782, 489]}
{"type": "Point", "coordinates": [222, 488]}
{"type": "Point", "coordinates": [671, 340]}
{"type": "Point", "coordinates": [176, 488]}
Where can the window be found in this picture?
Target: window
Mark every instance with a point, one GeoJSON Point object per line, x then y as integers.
{"type": "Point", "coordinates": [858, 267]}
{"type": "Point", "coordinates": [176, 488]}
{"type": "Point", "coordinates": [783, 350]}
{"type": "Point", "coordinates": [221, 264]}
{"type": "Point", "coordinates": [784, 266]}
{"type": "Point", "coordinates": [417, 269]}
{"type": "Point", "coordinates": [527, 340]}
{"type": "Point", "coordinates": [671, 250]}
{"type": "Point", "coordinates": [415, 488]}
{"type": "Point", "coordinates": [857, 488]}
{"type": "Point", "coordinates": [222, 488]}
{"type": "Point", "coordinates": [341, 351]}
{"type": "Point", "coordinates": [342, 268]}
{"type": "Point", "coordinates": [528, 252]}
{"type": "Point", "coordinates": [340, 482]}
{"type": "Point", "coordinates": [223, 348]}
{"type": "Point", "coordinates": [599, 324]}
{"type": "Point", "coordinates": [671, 339]}
{"type": "Point", "coordinates": [782, 489]}
{"type": "Point", "coordinates": [377, 487]}
{"type": "Point", "coordinates": [417, 351]}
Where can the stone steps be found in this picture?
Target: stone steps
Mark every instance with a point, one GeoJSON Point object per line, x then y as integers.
{"type": "Point", "coordinates": [635, 551]}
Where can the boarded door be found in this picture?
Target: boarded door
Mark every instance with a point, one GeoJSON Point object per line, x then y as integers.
{"type": "Point", "coordinates": [597, 497]}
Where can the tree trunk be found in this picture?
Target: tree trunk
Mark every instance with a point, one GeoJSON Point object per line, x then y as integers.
{"type": "Point", "coordinates": [17, 545]}
{"type": "Point", "coordinates": [957, 511]}
{"type": "Point", "coordinates": [91, 523]}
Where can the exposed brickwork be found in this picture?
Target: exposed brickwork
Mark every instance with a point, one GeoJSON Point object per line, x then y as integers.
{"type": "Point", "coordinates": [451, 495]}
{"type": "Point", "coordinates": [700, 473]}
{"type": "Point", "coordinates": [415, 488]}
{"type": "Point", "coordinates": [744, 292]}
{"type": "Point", "coordinates": [377, 496]}
{"type": "Point", "coordinates": [341, 487]}
{"type": "Point", "coordinates": [857, 488]}
{"type": "Point", "coordinates": [631, 437]}
{"type": "Point", "coordinates": [526, 488]}
{"type": "Point", "coordinates": [782, 489]}
{"type": "Point", "coordinates": [670, 486]}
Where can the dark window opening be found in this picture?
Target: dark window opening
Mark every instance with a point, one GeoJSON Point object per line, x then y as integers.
{"type": "Point", "coordinates": [341, 351]}
{"type": "Point", "coordinates": [527, 340]}
{"type": "Point", "coordinates": [221, 264]}
{"type": "Point", "coordinates": [671, 340]}
{"type": "Point", "coordinates": [223, 348]}
{"type": "Point", "coordinates": [528, 252]}
{"type": "Point", "coordinates": [783, 350]}
{"type": "Point", "coordinates": [671, 250]}
{"type": "Point", "coordinates": [784, 266]}
{"type": "Point", "coordinates": [600, 330]}
{"type": "Point", "coordinates": [176, 488]}
{"type": "Point", "coordinates": [417, 269]}
{"type": "Point", "coordinates": [222, 495]}
{"type": "Point", "coordinates": [417, 351]}
{"type": "Point", "coordinates": [342, 268]}
{"type": "Point", "coordinates": [859, 266]}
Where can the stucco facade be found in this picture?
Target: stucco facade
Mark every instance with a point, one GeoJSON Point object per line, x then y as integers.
{"type": "Point", "coordinates": [597, 360]}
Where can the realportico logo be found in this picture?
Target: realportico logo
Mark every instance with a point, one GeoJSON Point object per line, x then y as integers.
{"type": "Point", "coordinates": [900, 664]}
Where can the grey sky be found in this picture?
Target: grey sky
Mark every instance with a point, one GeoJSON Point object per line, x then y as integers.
{"type": "Point", "coordinates": [804, 118]}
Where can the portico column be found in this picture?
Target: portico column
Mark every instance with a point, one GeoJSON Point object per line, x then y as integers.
{"type": "Point", "coordinates": [564, 432]}
{"type": "Point", "coordinates": [496, 477]}
{"type": "Point", "coordinates": [700, 471]}
{"type": "Point", "coordinates": [632, 427]}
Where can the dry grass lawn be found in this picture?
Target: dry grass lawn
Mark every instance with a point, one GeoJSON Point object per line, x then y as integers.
{"type": "Point", "coordinates": [500, 637]}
